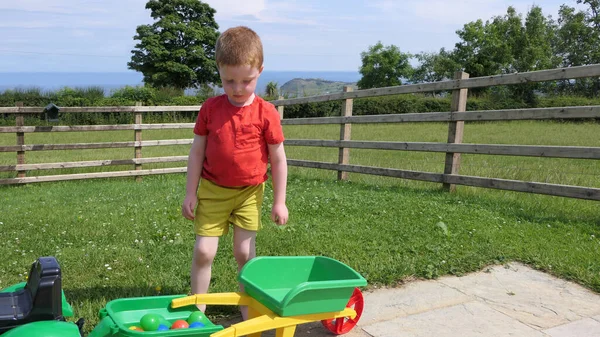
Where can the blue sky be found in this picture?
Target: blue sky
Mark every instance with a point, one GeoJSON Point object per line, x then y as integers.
{"type": "Point", "coordinates": [305, 35]}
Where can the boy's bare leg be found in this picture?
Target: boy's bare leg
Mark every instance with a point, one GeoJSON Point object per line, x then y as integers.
{"type": "Point", "coordinates": [244, 249]}
{"type": "Point", "coordinates": [205, 250]}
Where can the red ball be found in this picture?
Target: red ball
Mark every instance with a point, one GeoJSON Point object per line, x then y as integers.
{"type": "Point", "coordinates": [180, 324]}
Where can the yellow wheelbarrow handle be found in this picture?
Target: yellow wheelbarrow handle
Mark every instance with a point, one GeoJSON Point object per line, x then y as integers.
{"type": "Point", "coordinates": [213, 299]}
{"type": "Point", "coordinates": [261, 319]}
{"type": "Point", "coordinates": [284, 326]}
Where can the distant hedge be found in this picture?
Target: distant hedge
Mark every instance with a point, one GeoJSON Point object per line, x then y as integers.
{"type": "Point", "coordinates": [127, 96]}
{"type": "Point", "coordinates": [95, 96]}
{"type": "Point", "coordinates": [419, 103]}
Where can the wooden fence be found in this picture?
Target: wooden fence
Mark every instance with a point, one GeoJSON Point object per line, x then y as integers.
{"type": "Point", "coordinates": [137, 161]}
{"type": "Point", "coordinates": [453, 148]}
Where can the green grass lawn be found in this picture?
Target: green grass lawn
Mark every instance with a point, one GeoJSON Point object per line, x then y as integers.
{"type": "Point", "coordinates": [117, 238]}
{"type": "Point", "coordinates": [582, 172]}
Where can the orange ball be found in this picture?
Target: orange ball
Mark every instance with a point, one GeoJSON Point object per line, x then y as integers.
{"type": "Point", "coordinates": [180, 324]}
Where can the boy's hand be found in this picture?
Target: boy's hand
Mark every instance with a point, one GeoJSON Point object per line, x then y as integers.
{"type": "Point", "coordinates": [187, 208]}
{"type": "Point", "coordinates": [279, 214]}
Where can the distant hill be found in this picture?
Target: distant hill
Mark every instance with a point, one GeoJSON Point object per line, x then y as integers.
{"type": "Point", "coordinates": [302, 87]}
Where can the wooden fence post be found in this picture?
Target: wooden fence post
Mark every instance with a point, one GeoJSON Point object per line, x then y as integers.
{"type": "Point", "coordinates": [455, 130]}
{"type": "Point", "coordinates": [345, 134]}
{"type": "Point", "coordinates": [138, 140]}
{"type": "Point", "coordinates": [20, 122]}
{"type": "Point", "coordinates": [280, 108]}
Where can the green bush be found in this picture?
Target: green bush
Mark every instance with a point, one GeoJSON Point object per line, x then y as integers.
{"type": "Point", "coordinates": [146, 95]}
{"type": "Point", "coordinates": [497, 99]}
{"type": "Point", "coordinates": [567, 101]}
{"type": "Point", "coordinates": [95, 96]}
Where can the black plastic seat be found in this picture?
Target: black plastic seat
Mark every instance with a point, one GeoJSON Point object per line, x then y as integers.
{"type": "Point", "coordinates": [39, 300]}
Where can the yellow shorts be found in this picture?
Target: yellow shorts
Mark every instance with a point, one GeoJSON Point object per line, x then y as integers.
{"type": "Point", "coordinates": [220, 206]}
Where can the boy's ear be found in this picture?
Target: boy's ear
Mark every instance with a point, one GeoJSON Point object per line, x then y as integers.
{"type": "Point", "coordinates": [260, 70]}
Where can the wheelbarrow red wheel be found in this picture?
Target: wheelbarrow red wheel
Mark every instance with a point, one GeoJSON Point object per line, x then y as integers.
{"type": "Point", "coordinates": [343, 325]}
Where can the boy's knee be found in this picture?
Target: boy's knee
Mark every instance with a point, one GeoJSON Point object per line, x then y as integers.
{"type": "Point", "coordinates": [204, 253]}
{"type": "Point", "coordinates": [242, 256]}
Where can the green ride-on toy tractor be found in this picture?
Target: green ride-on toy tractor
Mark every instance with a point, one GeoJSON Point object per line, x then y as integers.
{"type": "Point", "coordinates": [38, 307]}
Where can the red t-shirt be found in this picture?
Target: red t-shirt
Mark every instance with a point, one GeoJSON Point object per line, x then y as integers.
{"type": "Point", "coordinates": [236, 140]}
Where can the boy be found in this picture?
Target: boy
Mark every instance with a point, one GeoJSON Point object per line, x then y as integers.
{"type": "Point", "coordinates": [235, 136]}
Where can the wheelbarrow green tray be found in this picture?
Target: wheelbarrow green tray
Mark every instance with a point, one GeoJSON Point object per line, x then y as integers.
{"type": "Point", "coordinates": [300, 285]}
{"type": "Point", "coordinates": [121, 314]}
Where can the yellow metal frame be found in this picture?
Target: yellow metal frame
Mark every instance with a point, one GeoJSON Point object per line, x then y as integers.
{"type": "Point", "coordinates": [260, 317]}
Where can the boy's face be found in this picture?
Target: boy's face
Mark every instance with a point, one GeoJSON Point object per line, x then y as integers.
{"type": "Point", "coordinates": [239, 82]}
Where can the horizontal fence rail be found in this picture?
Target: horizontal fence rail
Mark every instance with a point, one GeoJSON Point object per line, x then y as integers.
{"type": "Point", "coordinates": [476, 82]}
{"type": "Point", "coordinates": [453, 148]}
{"type": "Point", "coordinates": [91, 163]}
{"type": "Point", "coordinates": [579, 112]}
{"type": "Point", "coordinates": [106, 109]}
{"type": "Point", "coordinates": [502, 184]}
{"type": "Point", "coordinates": [80, 176]}
{"type": "Point", "coordinates": [83, 146]}
{"type": "Point", "coordinates": [80, 128]}
{"type": "Point", "coordinates": [577, 152]}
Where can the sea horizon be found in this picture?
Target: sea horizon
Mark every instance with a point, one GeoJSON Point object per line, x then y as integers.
{"type": "Point", "coordinates": [110, 81]}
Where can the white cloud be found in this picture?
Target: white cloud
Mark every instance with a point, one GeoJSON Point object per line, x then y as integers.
{"type": "Point", "coordinates": [297, 34]}
{"type": "Point", "coordinates": [73, 14]}
{"type": "Point", "coordinates": [228, 9]}
{"type": "Point", "coordinates": [75, 23]}
{"type": "Point", "coordinates": [437, 13]}
{"type": "Point", "coordinates": [456, 13]}
{"type": "Point", "coordinates": [27, 24]}
{"type": "Point", "coordinates": [54, 6]}
{"type": "Point", "coordinates": [82, 33]}
{"type": "Point", "coordinates": [99, 30]}
{"type": "Point", "coordinates": [261, 11]}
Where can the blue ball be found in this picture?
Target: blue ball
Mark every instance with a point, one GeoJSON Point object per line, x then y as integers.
{"type": "Point", "coordinates": [196, 325]}
{"type": "Point", "coordinates": [162, 327]}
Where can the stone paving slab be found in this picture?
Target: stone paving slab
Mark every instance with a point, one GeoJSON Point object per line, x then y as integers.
{"type": "Point", "coordinates": [411, 298]}
{"type": "Point", "coordinates": [587, 327]}
{"type": "Point", "coordinates": [511, 300]}
{"type": "Point", "coordinates": [532, 297]}
{"type": "Point", "coordinates": [473, 319]}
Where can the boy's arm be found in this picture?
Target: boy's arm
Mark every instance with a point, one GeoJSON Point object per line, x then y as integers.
{"type": "Point", "coordinates": [279, 214]}
{"type": "Point", "coordinates": [194, 168]}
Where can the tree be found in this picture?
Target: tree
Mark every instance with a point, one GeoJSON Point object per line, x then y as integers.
{"type": "Point", "coordinates": [535, 50]}
{"type": "Point", "coordinates": [480, 53]}
{"type": "Point", "coordinates": [532, 50]}
{"type": "Point", "coordinates": [271, 90]}
{"type": "Point", "coordinates": [384, 67]}
{"type": "Point", "coordinates": [593, 21]}
{"type": "Point", "coordinates": [178, 49]}
{"type": "Point", "coordinates": [577, 43]}
{"type": "Point", "coordinates": [434, 67]}
{"type": "Point", "coordinates": [506, 44]}
{"type": "Point", "coordinates": [593, 13]}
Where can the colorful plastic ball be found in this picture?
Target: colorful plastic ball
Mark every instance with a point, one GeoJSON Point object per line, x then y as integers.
{"type": "Point", "coordinates": [196, 325]}
{"type": "Point", "coordinates": [195, 316]}
{"type": "Point", "coordinates": [180, 324]}
{"type": "Point", "coordinates": [150, 322]}
{"type": "Point", "coordinates": [162, 327]}
{"type": "Point", "coordinates": [135, 328]}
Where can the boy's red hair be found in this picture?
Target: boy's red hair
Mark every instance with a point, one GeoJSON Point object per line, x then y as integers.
{"type": "Point", "coordinates": [239, 46]}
